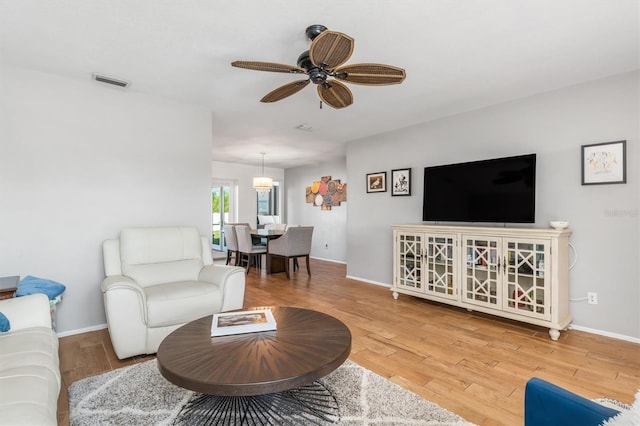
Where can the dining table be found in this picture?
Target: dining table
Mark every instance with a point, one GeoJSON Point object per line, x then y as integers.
{"type": "Point", "coordinates": [274, 265]}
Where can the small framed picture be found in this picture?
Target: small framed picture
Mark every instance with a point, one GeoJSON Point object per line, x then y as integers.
{"type": "Point", "coordinates": [604, 163]}
{"type": "Point", "coordinates": [377, 182]}
{"type": "Point", "coordinates": [401, 182]}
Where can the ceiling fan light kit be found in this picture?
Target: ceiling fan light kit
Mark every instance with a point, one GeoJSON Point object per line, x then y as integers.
{"type": "Point", "coordinates": [322, 64]}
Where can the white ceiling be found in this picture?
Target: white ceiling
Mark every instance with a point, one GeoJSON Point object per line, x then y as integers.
{"type": "Point", "coordinates": [458, 54]}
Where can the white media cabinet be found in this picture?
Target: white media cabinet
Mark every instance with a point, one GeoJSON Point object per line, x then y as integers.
{"type": "Point", "coordinates": [516, 273]}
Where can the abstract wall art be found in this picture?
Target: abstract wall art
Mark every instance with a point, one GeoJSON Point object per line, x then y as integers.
{"type": "Point", "coordinates": [326, 193]}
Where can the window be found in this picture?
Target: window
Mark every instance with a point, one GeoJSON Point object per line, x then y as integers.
{"type": "Point", "coordinates": [268, 202]}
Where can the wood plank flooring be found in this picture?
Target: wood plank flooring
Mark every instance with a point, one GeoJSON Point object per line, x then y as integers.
{"type": "Point", "coordinates": [472, 364]}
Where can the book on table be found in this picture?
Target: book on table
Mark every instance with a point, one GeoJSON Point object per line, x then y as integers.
{"type": "Point", "coordinates": [227, 323]}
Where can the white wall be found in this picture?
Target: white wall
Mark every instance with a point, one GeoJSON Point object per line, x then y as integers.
{"type": "Point", "coordinates": [78, 162]}
{"type": "Point", "coordinates": [330, 226]}
{"type": "Point", "coordinates": [243, 176]}
{"type": "Point", "coordinates": [604, 218]}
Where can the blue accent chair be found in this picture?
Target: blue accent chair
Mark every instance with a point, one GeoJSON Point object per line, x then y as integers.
{"type": "Point", "coordinates": [546, 404]}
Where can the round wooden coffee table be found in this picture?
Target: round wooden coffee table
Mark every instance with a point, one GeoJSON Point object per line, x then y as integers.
{"type": "Point", "coordinates": [271, 369]}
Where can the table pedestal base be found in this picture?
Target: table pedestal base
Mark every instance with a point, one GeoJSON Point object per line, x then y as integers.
{"type": "Point", "coordinates": [312, 404]}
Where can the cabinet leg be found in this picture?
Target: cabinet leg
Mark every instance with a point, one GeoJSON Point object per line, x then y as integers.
{"type": "Point", "coordinates": [395, 295]}
{"type": "Point", "coordinates": [554, 333]}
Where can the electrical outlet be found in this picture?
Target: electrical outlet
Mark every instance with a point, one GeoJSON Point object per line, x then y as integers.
{"type": "Point", "coordinates": [592, 298]}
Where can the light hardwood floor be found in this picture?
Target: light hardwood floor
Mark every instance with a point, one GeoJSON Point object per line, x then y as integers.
{"type": "Point", "coordinates": [472, 364]}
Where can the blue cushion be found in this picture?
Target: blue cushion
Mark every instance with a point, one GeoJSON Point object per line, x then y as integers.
{"type": "Point", "coordinates": [546, 404]}
{"type": "Point", "coordinates": [33, 285]}
{"type": "Point", "coordinates": [5, 325]}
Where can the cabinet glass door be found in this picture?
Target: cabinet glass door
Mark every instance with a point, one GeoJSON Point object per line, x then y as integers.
{"type": "Point", "coordinates": [526, 284]}
{"type": "Point", "coordinates": [439, 266]}
{"type": "Point", "coordinates": [481, 272]}
{"type": "Point", "coordinates": [410, 261]}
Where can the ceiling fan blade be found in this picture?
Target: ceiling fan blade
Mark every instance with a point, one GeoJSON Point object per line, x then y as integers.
{"type": "Point", "coordinates": [371, 74]}
{"type": "Point", "coordinates": [331, 49]}
{"type": "Point", "coordinates": [268, 66]}
{"type": "Point", "coordinates": [285, 91]}
{"type": "Point", "coordinates": [335, 94]}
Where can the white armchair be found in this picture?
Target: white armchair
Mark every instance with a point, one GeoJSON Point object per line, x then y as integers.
{"type": "Point", "coordinates": [158, 279]}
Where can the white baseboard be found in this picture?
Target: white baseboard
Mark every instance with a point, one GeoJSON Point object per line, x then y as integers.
{"type": "Point", "coordinates": [82, 330]}
{"type": "Point", "coordinates": [369, 281]}
{"type": "Point", "coordinates": [328, 260]}
{"type": "Point", "coordinates": [604, 333]}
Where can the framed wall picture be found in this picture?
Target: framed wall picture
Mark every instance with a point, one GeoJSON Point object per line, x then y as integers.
{"type": "Point", "coordinates": [377, 182]}
{"type": "Point", "coordinates": [401, 182]}
{"type": "Point", "coordinates": [604, 163]}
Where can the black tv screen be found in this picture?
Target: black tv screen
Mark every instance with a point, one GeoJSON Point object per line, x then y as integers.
{"type": "Point", "coordinates": [497, 190]}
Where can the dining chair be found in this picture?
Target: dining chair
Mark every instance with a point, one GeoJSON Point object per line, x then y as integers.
{"type": "Point", "coordinates": [276, 226]}
{"type": "Point", "coordinates": [294, 243]}
{"type": "Point", "coordinates": [295, 259]}
{"type": "Point", "coordinates": [256, 240]}
{"type": "Point", "coordinates": [240, 223]}
{"type": "Point", "coordinates": [246, 248]}
{"type": "Point", "coordinates": [231, 242]}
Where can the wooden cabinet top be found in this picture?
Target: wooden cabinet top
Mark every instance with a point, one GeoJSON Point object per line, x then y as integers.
{"type": "Point", "coordinates": [485, 230]}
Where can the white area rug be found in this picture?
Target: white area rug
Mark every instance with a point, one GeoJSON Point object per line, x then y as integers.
{"type": "Point", "coordinates": [140, 395]}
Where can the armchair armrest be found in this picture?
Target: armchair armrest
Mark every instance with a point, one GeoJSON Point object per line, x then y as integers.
{"type": "Point", "coordinates": [27, 311]}
{"type": "Point", "coordinates": [119, 285]}
{"type": "Point", "coordinates": [126, 310]}
{"type": "Point", "coordinates": [121, 282]}
{"type": "Point", "coordinates": [232, 281]}
{"type": "Point", "coordinates": [548, 404]}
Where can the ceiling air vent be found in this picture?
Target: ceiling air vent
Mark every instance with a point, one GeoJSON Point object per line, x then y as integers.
{"type": "Point", "coordinates": [304, 127]}
{"type": "Point", "coordinates": [109, 80]}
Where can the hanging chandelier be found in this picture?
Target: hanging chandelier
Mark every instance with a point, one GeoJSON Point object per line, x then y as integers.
{"type": "Point", "coordinates": [262, 184]}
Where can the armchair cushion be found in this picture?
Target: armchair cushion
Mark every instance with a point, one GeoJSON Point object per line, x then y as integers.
{"type": "Point", "coordinates": [158, 255]}
{"type": "Point", "coordinates": [196, 299]}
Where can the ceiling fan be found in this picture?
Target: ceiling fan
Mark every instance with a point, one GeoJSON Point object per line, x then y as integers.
{"type": "Point", "coordinates": [322, 64]}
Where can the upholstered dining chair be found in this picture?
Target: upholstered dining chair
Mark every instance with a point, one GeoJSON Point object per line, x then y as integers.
{"type": "Point", "coordinates": [246, 248]}
{"type": "Point", "coordinates": [231, 242]}
{"type": "Point", "coordinates": [240, 223]}
{"type": "Point", "coordinates": [254, 239]}
{"type": "Point", "coordinates": [276, 226]}
{"type": "Point", "coordinates": [294, 243]}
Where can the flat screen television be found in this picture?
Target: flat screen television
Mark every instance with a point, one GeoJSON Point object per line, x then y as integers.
{"type": "Point", "coordinates": [497, 190]}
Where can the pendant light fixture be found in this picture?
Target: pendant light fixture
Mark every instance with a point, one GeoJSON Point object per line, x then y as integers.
{"type": "Point", "coordinates": [262, 184]}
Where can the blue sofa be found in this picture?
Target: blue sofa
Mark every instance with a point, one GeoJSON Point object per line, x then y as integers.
{"type": "Point", "coordinates": [546, 404]}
